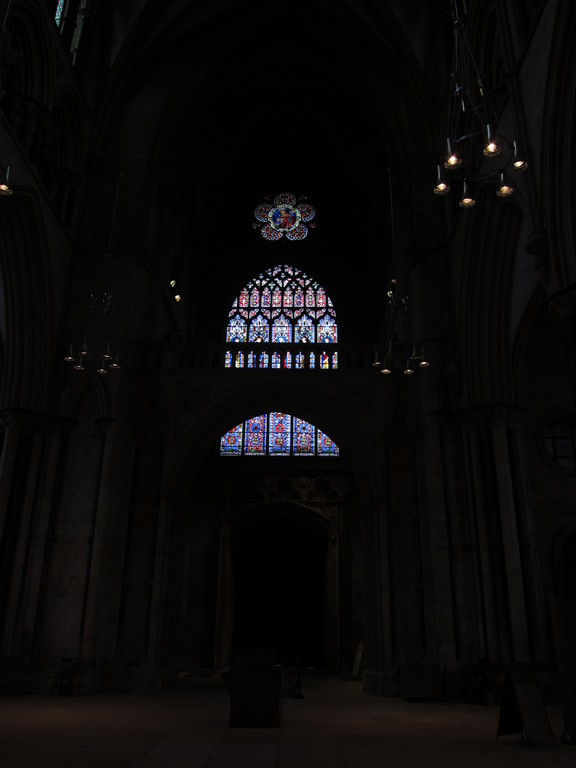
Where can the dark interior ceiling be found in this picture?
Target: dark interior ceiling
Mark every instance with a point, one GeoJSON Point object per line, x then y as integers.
{"type": "Point", "coordinates": [238, 100]}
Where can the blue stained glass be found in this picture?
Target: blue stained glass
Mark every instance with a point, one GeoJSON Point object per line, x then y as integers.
{"type": "Point", "coordinates": [231, 442]}
{"type": "Point", "coordinates": [327, 331]}
{"type": "Point", "coordinates": [299, 360]}
{"type": "Point", "coordinates": [255, 435]}
{"type": "Point", "coordinates": [263, 360]}
{"type": "Point", "coordinates": [59, 9]}
{"type": "Point", "coordinates": [282, 306]}
{"type": "Point", "coordinates": [236, 330]}
{"type": "Point", "coordinates": [303, 443]}
{"type": "Point", "coordinates": [228, 360]}
{"type": "Point", "coordinates": [259, 329]}
{"type": "Point", "coordinates": [279, 434]}
{"type": "Point", "coordinates": [304, 330]}
{"type": "Point", "coordinates": [325, 446]}
{"type": "Point", "coordinates": [282, 330]}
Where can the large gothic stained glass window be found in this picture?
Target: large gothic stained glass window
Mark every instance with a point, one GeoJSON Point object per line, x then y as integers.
{"type": "Point", "coordinates": [289, 312]}
{"type": "Point", "coordinates": [277, 434]}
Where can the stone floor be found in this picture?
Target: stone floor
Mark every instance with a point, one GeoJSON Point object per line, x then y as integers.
{"type": "Point", "coordinates": [334, 725]}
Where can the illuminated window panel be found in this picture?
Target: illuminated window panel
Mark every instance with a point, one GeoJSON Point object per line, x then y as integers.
{"type": "Point", "coordinates": [255, 436]}
{"type": "Point", "coordinates": [277, 434]}
{"type": "Point", "coordinates": [283, 305]}
{"type": "Point", "coordinates": [231, 442]}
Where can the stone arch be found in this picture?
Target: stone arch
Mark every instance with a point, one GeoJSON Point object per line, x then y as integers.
{"type": "Point", "coordinates": [483, 308]}
{"type": "Point", "coordinates": [89, 390]}
{"type": "Point", "coordinates": [560, 158]}
{"type": "Point", "coordinates": [29, 304]}
{"type": "Point", "coordinates": [293, 550]}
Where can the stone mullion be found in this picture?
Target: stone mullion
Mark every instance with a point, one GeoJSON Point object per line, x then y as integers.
{"type": "Point", "coordinates": [441, 590]}
{"type": "Point", "coordinates": [40, 539]}
{"type": "Point", "coordinates": [18, 575]}
{"type": "Point", "coordinates": [332, 600]}
{"type": "Point", "coordinates": [104, 569]}
{"type": "Point", "coordinates": [485, 577]}
{"type": "Point", "coordinates": [511, 548]}
{"type": "Point", "coordinates": [8, 458]}
{"type": "Point", "coordinates": [536, 613]}
{"type": "Point", "coordinates": [225, 618]}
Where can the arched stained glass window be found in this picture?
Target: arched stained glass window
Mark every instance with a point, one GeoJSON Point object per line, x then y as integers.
{"type": "Point", "coordinates": [283, 306]}
{"type": "Point", "coordinates": [277, 434]}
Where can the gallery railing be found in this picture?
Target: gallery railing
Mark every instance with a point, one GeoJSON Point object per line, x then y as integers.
{"type": "Point", "coordinates": [314, 358]}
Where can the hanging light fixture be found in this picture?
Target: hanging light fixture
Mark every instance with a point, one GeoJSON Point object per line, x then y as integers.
{"type": "Point", "coordinates": [473, 138]}
{"type": "Point", "coordinates": [97, 350]}
{"type": "Point", "coordinates": [5, 186]}
{"type": "Point", "coordinates": [398, 351]}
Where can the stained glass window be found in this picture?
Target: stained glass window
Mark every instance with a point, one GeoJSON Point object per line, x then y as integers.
{"type": "Point", "coordinates": [283, 305]}
{"type": "Point", "coordinates": [277, 434]}
{"type": "Point", "coordinates": [59, 9]}
{"type": "Point", "coordinates": [285, 215]}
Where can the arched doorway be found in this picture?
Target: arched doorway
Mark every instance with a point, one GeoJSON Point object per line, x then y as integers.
{"type": "Point", "coordinates": [284, 584]}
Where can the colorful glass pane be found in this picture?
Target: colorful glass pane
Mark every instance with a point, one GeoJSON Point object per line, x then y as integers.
{"type": "Point", "coordinates": [265, 297]}
{"type": "Point", "coordinates": [259, 329]}
{"type": "Point", "coordinates": [228, 360]}
{"type": "Point", "coordinates": [327, 330]}
{"type": "Point", "coordinates": [325, 446]}
{"type": "Point", "coordinates": [236, 330]}
{"type": "Point", "coordinates": [288, 360]}
{"type": "Point", "coordinates": [58, 14]}
{"type": "Point", "coordinates": [255, 434]}
{"type": "Point", "coordinates": [231, 442]}
{"type": "Point", "coordinates": [282, 330]}
{"type": "Point", "coordinates": [304, 330]}
{"type": "Point", "coordinates": [285, 216]}
{"type": "Point", "coordinates": [307, 211]}
{"type": "Point", "coordinates": [303, 443]}
{"type": "Point", "coordinates": [263, 360]}
{"type": "Point", "coordinates": [276, 360]}
{"type": "Point", "coordinates": [286, 198]}
{"type": "Point", "coordinates": [299, 233]}
{"type": "Point", "coordinates": [279, 434]}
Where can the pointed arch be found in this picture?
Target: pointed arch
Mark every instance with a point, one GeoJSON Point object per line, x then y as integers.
{"type": "Point", "coordinates": [282, 306]}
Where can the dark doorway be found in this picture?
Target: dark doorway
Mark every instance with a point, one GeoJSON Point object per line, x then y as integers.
{"type": "Point", "coordinates": [279, 560]}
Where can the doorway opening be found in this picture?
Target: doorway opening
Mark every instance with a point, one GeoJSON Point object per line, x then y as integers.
{"type": "Point", "coordinates": [280, 576]}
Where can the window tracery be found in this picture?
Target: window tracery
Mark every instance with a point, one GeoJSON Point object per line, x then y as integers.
{"type": "Point", "coordinates": [282, 306]}
{"type": "Point", "coordinates": [277, 434]}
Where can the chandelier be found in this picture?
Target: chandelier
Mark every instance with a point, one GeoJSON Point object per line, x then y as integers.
{"type": "Point", "coordinates": [96, 349]}
{"type": "Point", "coordinates": [475, 148]}
{"type": "Point", "coordinates": [398, 352]}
